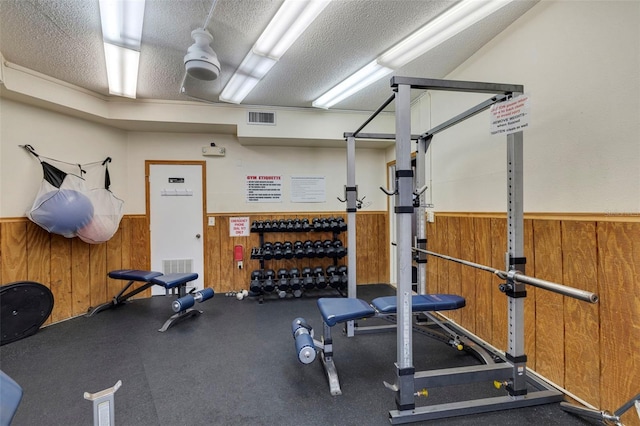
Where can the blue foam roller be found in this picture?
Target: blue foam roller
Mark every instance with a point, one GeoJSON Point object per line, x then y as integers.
{"type": "Point", "coordinates": [305, 348]}
{"type": "Point", "coordinates": [183, 303]}
{"type": "Point", "coordinates": [205, 294]}
{"type": "Point", "coordinates": [297, 324]}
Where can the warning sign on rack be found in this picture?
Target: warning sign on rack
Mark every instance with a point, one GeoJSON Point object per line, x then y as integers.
{"type": "Point", "coordinates": [510, 116]}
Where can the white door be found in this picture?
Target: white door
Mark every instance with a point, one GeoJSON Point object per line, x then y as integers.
{"type": "Point", "coordinates": [176, 200]}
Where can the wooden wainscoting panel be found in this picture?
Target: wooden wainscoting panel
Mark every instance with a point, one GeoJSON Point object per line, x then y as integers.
{"type": "Point", "coordinates": [140, 244]}
{"type": "Point", "coordinates": [369, 243]}
{"type": "Point", "coordinates": [39, 254]}
{"type": "Point", "coordinates": [581, 319]}
{"type": "Point", "coordinates": [442, 246]}
{"type": "Point", "coordinates": [432, 267]}
{"type": "Point", "coordinates": [80, 276]}
{"type": "Point", "coordinates": [13, 247]}
{"type": "Point", "coordinates": [39, 257]}
{"type": "Point", "coordinates": [467, 275]}
{"type": "Point", "coordinates": [126, 235]}
{"type": "Point", "coordinates": [619, 263]}
{"type": "Point", "coordinates": [484, 281]}
{"type": "Point", "coordinates": [549, 306]}
{"type": "Point", "coordinates": [499, 300]}
{"type": "Point", "coordinates": [212, 256]}
{"type": "Point", "coordinates": [114, 261]}
{"type": "Point", "coordinates": [530, 302]}
{"type": "Point", "coordinates": [98, 274]}
{"type": "Point", "coordinates": [383, 248]}
{"type": "Point", "coordinates": [454, 270]}
{"type": "Point", "coordinates": [366, 247]}
{"type": "Point", "coordinates": [61, 278]}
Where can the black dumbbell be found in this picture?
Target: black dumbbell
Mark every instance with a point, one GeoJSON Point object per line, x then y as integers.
{"type": "Point", "coordinates": [305, 225]}
{"type": "Point", "coordinates": [290, 225]}
{"type": "Point", "coordinates": [297, 225]}
{"type": "Point", "coordinates": [287, 249]}
{"type": "Point", "coordinates": [318, 248]}
{"type": "Point", "coordinates": [267, 251]}
{"type": "Point", "coordinates": [326, 224]}
{"type": "Point", "coordinates": [282, 225]}
{"type": "Point", "coordinates": [321, 281]}
{"type": "Point", "coordinates": [278, 252]}
{"type": "Point", "coordinates": [298, 250]}
{"type": "Point", "coordinates": [309, 250]}
{"type": "Point", "coordinates": [341, 251]}
{"type": "Point", "coordinates": [307, 278]}
{"type": "Point", "coordinates": [342, 225]}
{"type": "Point", "coordinates": [254, 226]}
{"type": "Point", "coordinates": [315, 224]}
{"type": "Point", "coordinates": [296, 282]}
{"type": "Point", "coordinates": [269, 284]}
{"type": "Point", "coordinates": [329, 249]}
{"type": "Point", "coordinates": [256, 281]}
{"type": "Point", "coordinates": [344, 276]}
{"type": "Point", "coordinates": [266, 226]}
{"type": "Point", "coordinates": [333, 224]}
{"type": "Point", "coordinates": [283, 280]}
{"type": "Point", "coordinates": [332, 275]}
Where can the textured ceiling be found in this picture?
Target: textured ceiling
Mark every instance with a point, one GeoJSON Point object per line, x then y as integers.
{"type": "Point", "coordinates": [63, 39]}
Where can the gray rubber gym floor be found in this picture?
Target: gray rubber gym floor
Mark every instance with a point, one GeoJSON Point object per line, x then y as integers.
{"type": "Point", "coordinates": [234, 365]}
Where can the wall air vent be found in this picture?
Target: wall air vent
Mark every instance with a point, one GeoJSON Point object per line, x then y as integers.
{"type": "Point", "coordinates": [171, 266]}
{"type": "Point", "coordinates": [261, 117]}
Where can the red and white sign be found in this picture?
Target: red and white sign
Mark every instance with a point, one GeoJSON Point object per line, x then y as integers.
{"type": "Point", "coordinates": [239, 227]}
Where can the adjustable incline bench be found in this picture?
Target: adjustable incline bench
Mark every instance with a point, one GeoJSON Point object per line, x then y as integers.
{"type": "Point", "coordinates": [171, 282]}
{"type": "Point", "coordinates": [339, 310]}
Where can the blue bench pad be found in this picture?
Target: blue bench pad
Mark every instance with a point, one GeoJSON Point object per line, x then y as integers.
{"type": "Point", "coordinates": [421, 303]}
{"type": "Point", "coordinates": [134, 275]}
{"type": "Point", "coordinates": [174, 280]}
{"type": "Point", "coordinates": [336, 310]}
{"type": "Point", "coordinates": [167, 281]}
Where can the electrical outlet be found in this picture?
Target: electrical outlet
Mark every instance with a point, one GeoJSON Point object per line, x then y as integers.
{"type": "Point", "coordinates": [212, 221]}
{"type": "Point", "coordinates": [431, 217]}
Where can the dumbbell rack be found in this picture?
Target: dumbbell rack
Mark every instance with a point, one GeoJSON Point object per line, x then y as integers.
{"type": "Point", "coordinates": [296, 282]}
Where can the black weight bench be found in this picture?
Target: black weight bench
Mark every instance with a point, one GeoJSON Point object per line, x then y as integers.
{"type": "Point", "coordinates": [171, 282]}
{"type": "Point", "coordinates": [339, 310]}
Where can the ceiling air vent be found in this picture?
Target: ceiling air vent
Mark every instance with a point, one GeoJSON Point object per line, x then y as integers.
{"type": "Point", "coordinates": [261, 117]}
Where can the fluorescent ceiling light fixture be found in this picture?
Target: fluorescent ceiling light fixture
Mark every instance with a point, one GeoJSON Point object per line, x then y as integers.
{"type": "Point", "coordinates": [122, 35]}
{"type": "Point", "coordinates": [122, 70]}
{"type": "Point", "coordinates": [435, 32]}
{"type": "Point", "coordinates": [291, 20]}
{"type": "Point", "coordinates": [361, 79]}
{"type": "Point", "coordinates": [246, 77]}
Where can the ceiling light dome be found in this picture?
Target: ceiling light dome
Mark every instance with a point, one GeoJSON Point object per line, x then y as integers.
{"type": "Point", "coordinates": [201, 62]}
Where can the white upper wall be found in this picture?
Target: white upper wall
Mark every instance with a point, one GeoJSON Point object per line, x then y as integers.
{"type": "Point", "coordinates": [77, 140]}
{"type": "Point", "coordinates": [580, 63]}
{"type": "Point", "coordinates": [56, 136]}
{"type": "Point", "coordinates": [226, 176]}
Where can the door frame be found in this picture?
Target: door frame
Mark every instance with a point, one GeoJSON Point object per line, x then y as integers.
{"type": "Point", "coordinates": [147, 191]}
